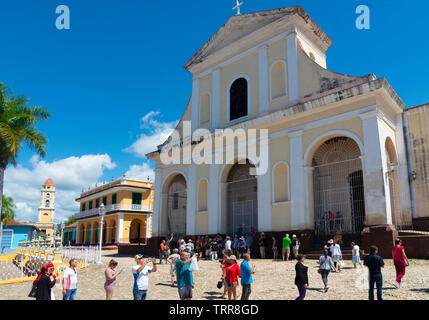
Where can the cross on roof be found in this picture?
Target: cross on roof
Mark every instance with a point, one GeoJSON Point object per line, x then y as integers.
{"type": "Point", "coordinates": [237, 7]}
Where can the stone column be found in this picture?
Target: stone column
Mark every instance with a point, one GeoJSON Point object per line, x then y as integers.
{"type": "Point", "coordinates": [191, 200]}
{"type": "Point", "coordinates": [195, 110]}
{"type": "Point", "coordinates": [376, 188]}
{"type": "Point", "coordinates": [292, 68]}
{"type": "Point", "coordinates": [215, 99]}
{"type": "Point", "coordinates": [263, 80]}
{"type": "Point", "coordinates": [213, 199]}
{"type": "Point", "coordinates": [264, 198]}
{"type": "Point", "coordinates": [298, 181]}
{"type": "Point", "coordinates": [157, 204]}
{"type": "Point", "coordinates": [120, 228]}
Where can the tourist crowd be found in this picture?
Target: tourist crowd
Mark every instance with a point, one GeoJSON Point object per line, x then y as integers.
{"type": "Point", "coordinates": [184, 259]}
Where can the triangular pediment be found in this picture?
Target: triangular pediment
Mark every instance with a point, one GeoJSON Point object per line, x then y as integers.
{"type": "Point", "coordinates": [239, 26]}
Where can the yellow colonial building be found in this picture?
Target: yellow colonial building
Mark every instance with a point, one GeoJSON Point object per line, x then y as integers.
{"type": "Point", "coordinates": [47, 208]}
{"type": "Point", "coordinates": [127, 213]}
{"type": "Point", "coordinates": [334, 143]}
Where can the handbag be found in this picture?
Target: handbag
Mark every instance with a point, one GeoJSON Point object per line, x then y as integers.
{"type": "Point", "coordinates": [341, 263]}
{"type": "Point", "coordinates": [219, 284]}
{"type": "Point", "coordinates": [33, 292]}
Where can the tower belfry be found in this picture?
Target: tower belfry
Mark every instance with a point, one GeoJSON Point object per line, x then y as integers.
{"type": "Point", "coordinates": [47, 208]}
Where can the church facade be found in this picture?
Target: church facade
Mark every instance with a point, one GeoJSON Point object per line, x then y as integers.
{"type": "Point", "coordinates": [337, 156]}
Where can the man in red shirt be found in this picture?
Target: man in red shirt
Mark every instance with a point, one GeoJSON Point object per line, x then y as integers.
{"type": "Point", "coordinates": [233, 272]}
{"type": "Point", "coordinates": [162, 252]}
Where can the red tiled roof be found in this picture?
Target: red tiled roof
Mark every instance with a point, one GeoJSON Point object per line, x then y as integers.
{"type": "Point", "coordinates": [14, 222]}
{"type": "Point", "coordinates": [49, 182]}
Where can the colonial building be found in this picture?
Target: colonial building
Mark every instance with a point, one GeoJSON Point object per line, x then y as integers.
{"type": "Point", "coordinates": [127, 213]}
{"type": "Point", "coordinates": [47, 208]}
{"type": "Point", "coordinates": [337, 159]}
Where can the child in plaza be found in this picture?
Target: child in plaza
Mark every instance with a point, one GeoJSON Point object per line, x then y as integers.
{"type": "Point", "coordinates": [232, 274]}
{"type": "Point", "coordinates": [246, 277]}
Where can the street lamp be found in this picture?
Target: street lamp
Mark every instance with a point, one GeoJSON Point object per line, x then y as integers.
{"type": "Point", "coordinates": [101, 211]}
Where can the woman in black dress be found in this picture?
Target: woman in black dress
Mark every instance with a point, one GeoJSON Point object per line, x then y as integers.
{"type": "Point", "coordinates": [45, 282]}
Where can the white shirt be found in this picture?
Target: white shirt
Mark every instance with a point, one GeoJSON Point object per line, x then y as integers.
{"type": "Point", "coordinates": [335, 250]}
{"type": "Point", "coordinates": [141, 280]}
{"type": "Point", "coordinates": [70, 278]}
{"type": "Point", "coordinates": [356, 249]}
{"type": "Point", "coordinates": [228, 245]}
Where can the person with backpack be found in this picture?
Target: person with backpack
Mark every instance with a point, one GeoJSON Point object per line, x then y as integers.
{"type": "Point", "coordinates": [326, 265]}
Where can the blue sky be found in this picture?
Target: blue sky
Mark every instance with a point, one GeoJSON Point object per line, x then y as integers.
{"type": "Point", "coordinates": [122, 60]}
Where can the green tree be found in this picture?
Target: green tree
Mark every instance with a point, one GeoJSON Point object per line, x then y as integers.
{"type": "Point", "coordinates": [18, 128]}
{"type": "Point", "coordinates": [69, 221]}
{"type": "Point", "coordinates": [7, 209]}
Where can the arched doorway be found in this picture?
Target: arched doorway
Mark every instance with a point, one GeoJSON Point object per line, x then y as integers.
{"type": "Point", "coordinates": [338, 189]}
{"type": "Point", "coordinates": [113, 231]}
{"type": "Point", "coordinates": [242, 199]}
{"type": "Point", "coordinates": [135, 231]}
{"type": "Point", "coordinates": [176, 206]}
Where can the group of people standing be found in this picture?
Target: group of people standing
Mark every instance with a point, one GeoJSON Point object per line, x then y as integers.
{"type": "Point", "coordinates": [48, 278]}
{"type": "Point", "coordinates": [331, 261]}
{"type": "Point", "coordinates": [183, 261]}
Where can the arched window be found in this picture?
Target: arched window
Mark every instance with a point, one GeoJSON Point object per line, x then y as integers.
{"type": "Point", "coordinates": [238, 99]}
{"type": "Point", "coordinates": [281, 182]}
{"type": "Point", "coordinates": [278, 80]}
{"type": "Point", "coordinates": [48, 196]}
{"type": "Point", "coordinates": [205, 109]}
{"type": "Point", "coordinates": [47, 203]}
{"type": "Point", "coordinates": [202, 195]}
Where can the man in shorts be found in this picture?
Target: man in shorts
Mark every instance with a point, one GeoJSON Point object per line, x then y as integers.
{"type": "Point", "coordinates": [184, 276]}
{"type": "Point", "coordinates": [356, 255]}
{"type": "Point", "coordinates": [286, 247]}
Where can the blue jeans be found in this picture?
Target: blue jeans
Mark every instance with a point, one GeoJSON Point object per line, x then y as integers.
{"type": "Point", "coordinates": [70, 294]}
{"type": "Point", "coordinates": [378, 281]}
{"type": "Point", "coordinates": [139, 294]}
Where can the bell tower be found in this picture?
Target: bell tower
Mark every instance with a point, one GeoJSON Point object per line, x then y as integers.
{"type": "Point", "coordinates": [47, 208]}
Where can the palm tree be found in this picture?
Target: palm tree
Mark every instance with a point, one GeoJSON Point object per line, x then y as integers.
{"type": "Point", "coordinates": [18, 127]}
{"type": "Point", "coordinates": [7, 212]}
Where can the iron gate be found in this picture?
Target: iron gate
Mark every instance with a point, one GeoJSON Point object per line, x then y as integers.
{"type": "Point", "coordinates": [242, 217]}
{"type": "Point", "coordinates": [339, 204]}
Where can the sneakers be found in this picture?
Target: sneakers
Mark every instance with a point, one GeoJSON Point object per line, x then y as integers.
{"type": "Point", "coordinates": [326, 289]}
{"type": "Point", "coordinates": [397, 286]}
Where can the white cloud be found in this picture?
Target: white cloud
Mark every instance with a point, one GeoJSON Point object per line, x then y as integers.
{"type": "Point", "coordinates": [70, 175]}
{"type": "Point", "coordinates": [140, 172]}
{"type": "Point", "coordinates": [157, 133]}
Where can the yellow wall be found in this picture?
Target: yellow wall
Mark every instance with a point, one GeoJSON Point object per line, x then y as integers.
{"type": "Point", "coordinates": [202, 223]}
